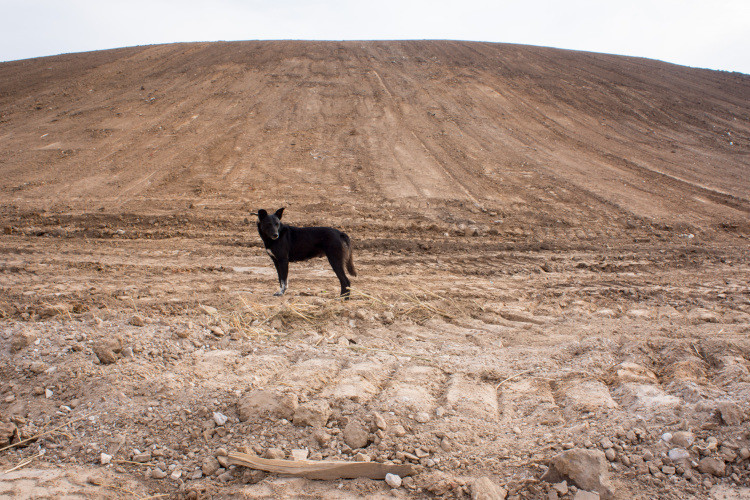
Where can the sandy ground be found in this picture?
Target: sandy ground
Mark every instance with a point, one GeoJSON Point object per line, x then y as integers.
{"type": "Point", "coordinates": [552, 251]}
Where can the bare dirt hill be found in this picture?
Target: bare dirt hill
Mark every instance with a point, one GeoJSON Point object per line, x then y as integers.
{"type": "Point", "coordinates": [525, 221]}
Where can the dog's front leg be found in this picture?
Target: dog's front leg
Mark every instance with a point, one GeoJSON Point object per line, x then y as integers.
{"type": "Point", "coordinates": [282, 268]}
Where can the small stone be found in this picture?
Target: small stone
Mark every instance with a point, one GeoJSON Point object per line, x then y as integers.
{"type": "Point", "coordinates": [209, 466]}
{"type": "Point", "coordinates": [313, 414]}
{"type": "Point", "coordinates": [731, 413]}
{"type": "Point", "coordinates": [589, 469]}
{"type": "Point", "coordinates": [322, 437]}
{"type": "Point", "coordinates": [625, 460]}
{"type": "Point", "coordinates": [211, 311]}
{"type": "Point", "coordinates": [666, 437]}
{"type": "Point", "coordinates": [745, 453]}
{"type": "Point", "coordinates": [668, 470]}
{"type": "Point", "coordinates": [38, 390]}
{"type": "Point", "coordinates": [223, 461]}
{"type": "Point", "coordinates": [610, 454]}
{"type": "Point", "coordinates": [48, 393]}
{"type": "Point", "coordinates": [142, 457]}
{"type": "Point", "coordinates": [445, 444]}
{"type": "Point", "coordinates": [380, 421]}
{"type": "Point", "coordinates": [127, 352]}
{"type": "Point", "coordinates": [105, 459]}
{"type": "Point", "coordinates": [356, 435]}
{"type": "Point", "coordinates": [137, 320]}
{"type": "Point", "coordinates": [21, 340]}
{"type": "Point", "coordinates": [217, 331]}
{"type": "Point", "coordinates": [420, 453]}
{"type": "Point", "coordinates": [105, 353]}
{"type": "Point", "coordinates": [676, 454]}
{"type": "Point", "coordinates": [393, 480]}
{"type": "Point", "coordinates": [561, 487]}
{"type": "Point", "coordinates": [38, 367]}
{"type": "Point", "coordinates": [157, 473]}
{"type": "Point", "coordinates": [274, 453]}
{"type": "Point", "coordinates": [362, 457]}
{"type": "Point", "coordinates": [225, 477]}
{"type": "Point", "coordinates": [648, 455]}
{"type": "Point", "coordinates": [683, 439]}
{"type": "Point", "coordinates": [422, 417]}
{"type": "Point", "coordinates": [606, 444]}
{"type": "Point", "coordinates": [568, 445]}
{"type": "Point", "coordinates": [177, 474]}
{"type": "Point", "coordinates": [220, 418]}
{"type": "Point", "coordinates": [484, 488]}
{"type": "Point", "coordinates": [586, 495]}
{"type": "Point", "coordinates": [713, 466]}
{"type": "Point", "coordinates": [300, 454]}
{"type": "Point", "coordinates": [398, 430]}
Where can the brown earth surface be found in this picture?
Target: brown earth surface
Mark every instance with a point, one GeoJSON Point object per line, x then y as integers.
{"type": "Point", "coordinates": [525, 220]}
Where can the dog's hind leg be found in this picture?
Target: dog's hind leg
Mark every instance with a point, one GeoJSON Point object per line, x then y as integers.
{"type": "Point", "coordinates": [282, 268]}
{"type": "Point", "coordinates": [338, 267]}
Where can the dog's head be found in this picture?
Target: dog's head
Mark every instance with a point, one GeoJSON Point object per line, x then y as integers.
{"type": "Point", "coordinates": [270, 225]}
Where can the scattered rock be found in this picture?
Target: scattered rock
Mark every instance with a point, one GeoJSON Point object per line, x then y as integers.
{"type": "Point", "coordinates": [38, 367]}
{"type": "Point", "coordinates": [104, 352]}
{"type": "Point", "coordinates": [485, 489]}
{"type": "Point", "coordinates": [730, 413]}
{"type": "Point", "coordinates": [677, 454]}
{"type": "Point", "coordinates": [398, 430]}
{"type": "Point", "coordinates": [313, 414]}
{"type": "Point", "coordinates": [356, 434]}
{"type": "Point", "coordinates": [105, 459]}
{"type": "Point", "coordinates": [380, 421]}
{"type": "Point", "coordinates": [300, 454]}
{"type": "Point", "coordinates": [220, 418]}
{"type": "Point", "coordinates": [713, 466]}
{"type": "Point", "coordinates": [137, 320]}
{"type": "Point", "coordinates": [422, 417]}
{"type": "Point", "coordinates": [586, 495]}
{"type": "Point", "coordinates": [7, 431]}
{"type": "Point", "coordinates": [322, 437]}
{"type": "Point", "coordinates": [274, 453]}
{"type": "Point", "coordinates": [209, 466]}
{"type": "Point", "coordinates": [157, 473]}
{"type": "Point", "coordinates": [21, 340]}
{"type": "Point", "coordinates": [263, 403]}
{"type": "Point", "coordinates": [211, 311]}
{"type": "Point", "coordinates": [588, 469]}
{"type": "Point", "coordinates": [683, 439]}
{"type": "Point", "coordinates": [561, 487]}
{"type": "Point", "coordinates": [142, 457]}
{"type": "Point", "coordinates": [393, 480]}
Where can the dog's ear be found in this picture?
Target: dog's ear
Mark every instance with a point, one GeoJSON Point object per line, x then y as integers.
{"type": "Point", "coordinates": [279, 212]}
{"type": "Point", "coordinates": [262, 214]}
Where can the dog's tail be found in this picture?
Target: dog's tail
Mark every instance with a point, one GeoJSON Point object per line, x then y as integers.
{"type": "Point", "coordinates": [348, 249]}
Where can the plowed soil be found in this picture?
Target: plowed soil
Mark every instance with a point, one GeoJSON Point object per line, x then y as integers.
{"type": "Point", "coordinates": [524, 221]}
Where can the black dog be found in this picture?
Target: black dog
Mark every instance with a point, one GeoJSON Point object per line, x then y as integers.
{"type": "Point", "coordinates": [287, 244]}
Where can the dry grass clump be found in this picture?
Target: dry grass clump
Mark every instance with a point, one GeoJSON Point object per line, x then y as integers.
{"type": "Point", "coordinates": [419, 305]}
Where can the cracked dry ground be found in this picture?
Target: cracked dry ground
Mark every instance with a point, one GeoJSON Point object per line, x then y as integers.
{"type": "Point", "coordinates": [481, 353]}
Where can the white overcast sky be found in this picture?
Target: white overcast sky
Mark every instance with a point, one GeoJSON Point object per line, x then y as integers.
{"type": "Point", "coordinates": [701, 33]}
